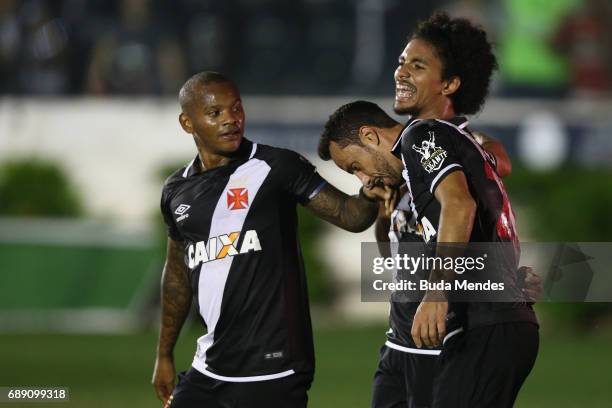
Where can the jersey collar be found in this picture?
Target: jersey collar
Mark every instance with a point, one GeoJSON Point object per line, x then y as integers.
{"type": "Point", "coordinates": [460, 121]}
{"type": "Point", "coordinates": [246, 151]}
{"type": "Point", "coordinates": [396, 150]}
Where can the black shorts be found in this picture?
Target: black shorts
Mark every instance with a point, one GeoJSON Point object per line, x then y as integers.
{"type": "Point", "coordinates": [403, 380]}
{"type": "Point", "coordinates": [196, 390]}
{"type": "Point", "coordinates": [485, 366]}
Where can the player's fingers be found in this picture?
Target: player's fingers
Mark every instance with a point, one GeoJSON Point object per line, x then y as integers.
{"type": "Point", "coordinates": [532, 279]}
{"type": "Point", "coordinates": [416, 334]}
{"type": "Point", "coordinates": [441, 325]}
{"type": "Point", "coordinates": [425, 334]}
{"type": "Point", "coordinates": [386, 203]}
{"type": "Point", "coordinates": [433, 333]}
{"type": "Point", "coordinates": [393, 201]}
{"type": "Point", "coordinates": [531, 295]}
{"type": "Point", "coordinates": [389, 206]}
{"type": "Point", "coordinates": [164, 390]}
{"type": "Point", "coordinates": [160, 392]}
{"type": "Point", "coordinates": [387, 198]}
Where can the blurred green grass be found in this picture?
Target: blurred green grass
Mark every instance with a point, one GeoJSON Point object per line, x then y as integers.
{"type": "Point", "coordinates": [114, 371]}
{"type": "Point", "coordinates": [44, 277]}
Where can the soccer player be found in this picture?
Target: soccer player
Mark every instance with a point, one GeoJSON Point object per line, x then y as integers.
{"type": "Point", "coordinates": [233, 247]}
{"type": "Point", "coordinates": [443, 72]}
{"type": "Point", "coordinates": [458, 197]}
{"type": "Point", "coordinates": [405, 373]}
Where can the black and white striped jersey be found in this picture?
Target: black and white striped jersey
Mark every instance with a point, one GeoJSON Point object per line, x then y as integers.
{"type": "Point", "coordinates": [238, 223]}
{"type": "Point", "coordinates": [430, 151]}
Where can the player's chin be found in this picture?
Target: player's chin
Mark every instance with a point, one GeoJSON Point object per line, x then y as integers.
{"type": "Point", "coordinates": [402, 107]}
{"type": "Point", "coordinates": [230, 142]}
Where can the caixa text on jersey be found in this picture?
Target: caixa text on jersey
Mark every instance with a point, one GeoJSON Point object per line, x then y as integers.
{"type": "Point", "coordinates": [222, 246]}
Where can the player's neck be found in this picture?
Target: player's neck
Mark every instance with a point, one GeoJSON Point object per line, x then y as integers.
{"type": "Point", "coordinates": [390, 135]}
{"type": "Point", "coordinates": [209, 160]}
{"type": "Point", "coordinates": [444, 110]}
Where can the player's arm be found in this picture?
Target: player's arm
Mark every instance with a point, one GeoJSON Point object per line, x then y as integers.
{"type": "Point", "coordinates": [457, 208]}
{"type": "Point", "coordinates": [493, 146]}
{"type": "Point", "coordinates": [457, 213]}
{"type": "Point", "coordinates": [175, 305]}
{"type": "Point", "coordinates": [352, 213]}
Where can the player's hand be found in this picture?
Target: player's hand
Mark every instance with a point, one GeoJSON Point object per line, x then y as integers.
{"type": "Point", "coordinates": [383, 193]}
{"type": "Point", "coordinates": [532, 287]}
{"type": "Point", "coordinates": [163, 378]}
{"type": "Point", "coordinates": [429, 323]}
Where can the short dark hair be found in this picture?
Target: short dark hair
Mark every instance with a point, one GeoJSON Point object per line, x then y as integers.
{"type": "Point", "coordinates": [465, 52]}
{"type": "Point", "coordinates": [343, 125]}
{"type": "Point", "coordinates": [188, 90]}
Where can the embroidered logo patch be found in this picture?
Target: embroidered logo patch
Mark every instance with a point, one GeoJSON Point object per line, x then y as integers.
{"type": "Point", "coordinates": [432, 156]}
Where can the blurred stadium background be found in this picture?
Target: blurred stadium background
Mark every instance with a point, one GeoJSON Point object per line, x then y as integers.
{"type": "Point", "coordinates": [89, 130]}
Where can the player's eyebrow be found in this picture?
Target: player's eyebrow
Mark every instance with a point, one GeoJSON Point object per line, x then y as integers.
{"type": "Point", "coordinates": [419, 60]}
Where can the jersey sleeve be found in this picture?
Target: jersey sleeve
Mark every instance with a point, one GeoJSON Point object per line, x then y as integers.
{"type": "Point", "coordinates": [299, 177]}
{"type": "Point", "coordinates": [430, 153]}
{"type": "Point", "coordinates": [172, 230]}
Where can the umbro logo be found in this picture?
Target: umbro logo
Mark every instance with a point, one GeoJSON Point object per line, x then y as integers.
{"type": "Point", "coordinates": [181, 210]}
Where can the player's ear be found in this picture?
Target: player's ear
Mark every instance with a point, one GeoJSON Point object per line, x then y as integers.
{"type": "Point", "coordinates": [369, 136]}
{"type": "Point", "coordinates": [451, 86]}
{"type": "Point", "coordinates": [185, 123]}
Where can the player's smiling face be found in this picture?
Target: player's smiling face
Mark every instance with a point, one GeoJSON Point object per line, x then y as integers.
{"type": "Point", "coordinates": [217, 118]}
{"type": "Point", "coordinates": [368, 164]}
{"type": "Point", "coordinates": [418, 79]}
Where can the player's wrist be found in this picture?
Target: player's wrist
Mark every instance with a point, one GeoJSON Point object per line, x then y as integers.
{"type": "Point", "coordinates": [435, 296]}
{"type": "Point", "coordinates": [165, 355]}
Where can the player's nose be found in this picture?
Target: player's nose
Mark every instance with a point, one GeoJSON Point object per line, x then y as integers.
{"type": "Point", "coordinates": [230, 119]}
{"type": "Point", "coordinates": [364, 178]}
{"type": "Point", "coordinates": [401, 73]}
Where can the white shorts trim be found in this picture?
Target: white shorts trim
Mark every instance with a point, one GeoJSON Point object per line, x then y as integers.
{"type": "Point", "coordinates": [412, 350]}
{"type": "Point", "coordinates": [451, 334]}
{"type": "Point", "coordinates": [197, 365]}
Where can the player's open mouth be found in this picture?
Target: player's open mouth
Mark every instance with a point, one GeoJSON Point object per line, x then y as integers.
{"type": "Point", "coordinates": [404, 91]}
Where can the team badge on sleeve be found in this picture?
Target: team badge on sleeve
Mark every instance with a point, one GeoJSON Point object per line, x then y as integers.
{"type": "Point", "coordinates": [432, 156]}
